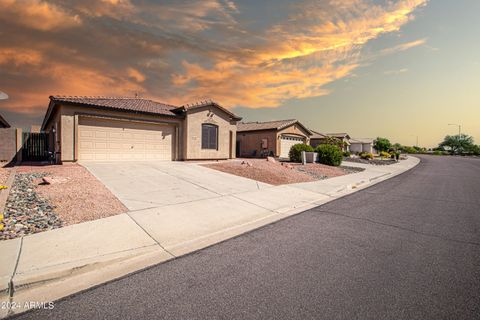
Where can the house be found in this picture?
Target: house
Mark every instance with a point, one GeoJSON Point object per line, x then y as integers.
{"type": "Point", "coordinates": [362, 145]}
{"type": "Point", "coordinates": [3, 123]}
{"type": "Point", "coordinates": [319, 138]}
{"type": "Point", "coordinates": [123, 128]}
{"type": "Point", "coordinates": [275, 138]}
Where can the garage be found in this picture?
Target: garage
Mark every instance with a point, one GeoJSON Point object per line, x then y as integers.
{"type": "Point", "coordinates": [286, 142]}
{"type": "Point", "coordinates": [103, 139]}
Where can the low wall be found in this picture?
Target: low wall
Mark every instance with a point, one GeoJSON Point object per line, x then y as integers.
{"type": "Point", "coordinates": [8, 144]}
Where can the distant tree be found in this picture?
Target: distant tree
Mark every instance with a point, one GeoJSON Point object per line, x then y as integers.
{"type": "Point", "coordinates": [382, 144]}
{"type": "Point", "coordinates": [475, 149]}
{"type": "Point", "coordinates": [408, 149]}
{"type": "Point", "coordinates": [458, 143]}
{"type": "Point", "coordinates": [397, 146]}
{"type": "Point", "coordinates": [334, 141]}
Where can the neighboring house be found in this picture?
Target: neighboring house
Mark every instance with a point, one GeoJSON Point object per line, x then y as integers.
{"type": "Point", "coordinates": [122, 128]}
{"type": "Point", "coordinates": [275, 138]}
{"type": "Point", "coordinates": [362, 145]}
{"type": "Point", "coordinates": [4, 123]}
{"type": "Point", "coordinates": [319, 138]}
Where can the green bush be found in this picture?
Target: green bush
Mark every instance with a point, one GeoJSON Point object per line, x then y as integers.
{"type": "Point", "coordinates": [295, 153]}
{"type": "Point", "coordinates": [384, 154]}
{"type": "Point", "coordinates": [366, 155]}
{"type": "Point", "coordinates": [329, 154]}
{"type": "Point", "coordinates": [437, 152]}
{"type": "Point", "coordinates": [346, 154]}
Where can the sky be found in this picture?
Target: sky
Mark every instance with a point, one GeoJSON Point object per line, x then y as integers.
{"type": "Point", "coordinates": [398, 69]}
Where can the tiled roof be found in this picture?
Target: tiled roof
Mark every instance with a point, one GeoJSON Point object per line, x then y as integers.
{"type": "Point", "coordinates": [338, 135]}
{"type": "Point", "coordinates": [4, 123]}
{"type": "Point", "coordinates": [118, 103]}
{"type": "Point", "coordinates": [317, 135]}
{"type": "Point", "coordinates": [268, 125]}
{"type": "Point", "coordinates": [206, 103]}
{"type": "Point", "coordinates": [361, 140]}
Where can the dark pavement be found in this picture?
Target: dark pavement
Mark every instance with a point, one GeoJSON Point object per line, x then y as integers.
{"type": "Point", "coordinates": [407, 248]}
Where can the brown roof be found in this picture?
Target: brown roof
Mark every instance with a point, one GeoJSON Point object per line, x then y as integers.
{"type": "Point", "coordinates": [206, 103]}
{"type": "Point", "coordinates": [317, 135]}
{"type": "Point", "coordinates": [128, 104]}
{"type": "Point", "coordinates": [338, 135]}
{"type": "Point", "coordinates": [268, 125]}
{"type": "Point", "coordinates": [4, 123]}
{"type": "Point", "coordinates": [119, 103]}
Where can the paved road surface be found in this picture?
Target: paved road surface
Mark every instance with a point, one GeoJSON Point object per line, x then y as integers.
{"type": "Point", "coordinates": [407, 248]}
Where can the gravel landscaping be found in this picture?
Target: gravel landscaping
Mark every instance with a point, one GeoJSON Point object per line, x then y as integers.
{"type": "Point", "coordinates": [376, 162]}
{"type": "Point", "coordinates": [276, 173]}
{"type": "Point", "coordinates": [73, 196]}
{"type": "Point", "coordinates": [25, 211]}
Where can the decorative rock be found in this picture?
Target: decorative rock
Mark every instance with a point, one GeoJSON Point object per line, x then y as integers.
{"type": "Point", "coordinates": [52, 180]}
{"type": "Point", "coordinates": [25, 211]}
{"type": "Point", "coordinates": [271, 159]}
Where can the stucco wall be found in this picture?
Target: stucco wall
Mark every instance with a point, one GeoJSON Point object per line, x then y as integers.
{"type": "Point", "coordinates": [251, 142]}
{"type": "Point", "coordinates": [8, 144]}
{"type": "Point", "coordinates": [193, 137]}
{"type": "Point", "coordinates": [67, 130]}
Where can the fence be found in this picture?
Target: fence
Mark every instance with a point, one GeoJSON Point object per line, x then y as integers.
{"type": "Point", "coordinates": [35, 146]}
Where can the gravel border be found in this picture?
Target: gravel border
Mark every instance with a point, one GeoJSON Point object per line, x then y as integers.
{"type": "Point", "coordinates": [26, 212]}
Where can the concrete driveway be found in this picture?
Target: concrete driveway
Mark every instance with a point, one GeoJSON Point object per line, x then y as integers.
{"type": "Point", "coordinates": [145, 185]}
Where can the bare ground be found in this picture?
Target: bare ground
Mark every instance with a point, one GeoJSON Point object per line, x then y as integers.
{"type": "Point", "coordinates": [275, 173]}
{"type": "Point", "coordinates": [77, 196]}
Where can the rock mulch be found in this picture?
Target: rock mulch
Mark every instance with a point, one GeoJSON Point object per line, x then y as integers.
{"type": "Point", "coordinates": [376, 162]}
{"type": "Point", "coordinates": [277, 173]}
{"type": "Point", "coordinates": [26, 212]}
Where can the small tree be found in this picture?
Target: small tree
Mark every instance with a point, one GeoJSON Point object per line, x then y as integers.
{"type": "Point", "coordinates": [458, 143]}
{"type": "Point", "coordinates": [295, 153]}
{"type": "Point", "coordinates": [329, 154]}
{"type": "Point", "coordinates": [382, 144]}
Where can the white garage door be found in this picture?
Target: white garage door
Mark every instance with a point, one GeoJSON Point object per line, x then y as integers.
{"type": "Point", "coordinates": [112, 140]}
{"type": "Point", "coordinates": [286, 142]}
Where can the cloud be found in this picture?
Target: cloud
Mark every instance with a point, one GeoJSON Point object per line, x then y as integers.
{"type": "Point", "coordinates": [316, 45]}
{"type": "Point", "coordinates": [180, 51]}
{"type": "Point", "coordinates": [395, 72]}
{"type": "Point", "coordinates": [37, 14]}
{"type": "Point", "coordinates": [403, 47]}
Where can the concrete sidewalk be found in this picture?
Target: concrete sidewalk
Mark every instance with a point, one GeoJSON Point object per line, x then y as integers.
{"type": "Point", "coordinates": [47, 266]}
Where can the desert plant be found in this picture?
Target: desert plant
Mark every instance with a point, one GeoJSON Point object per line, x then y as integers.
{"type": "Point", "coordinates": [347, 154]}
{"type": "Point", "coordinates": [329, 154]}
{"type": "Point", "coordinates": [295, 152]}
{"type": "Point", "coordinates": [438, 152]}
{"type": "Point", "coordinates": [366, 155]}
{"type": "Point", "coordinates": [384, 154]}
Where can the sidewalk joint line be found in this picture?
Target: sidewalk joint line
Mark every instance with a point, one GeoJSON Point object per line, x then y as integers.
{"type": "Point", "coordinates": [159, 244]}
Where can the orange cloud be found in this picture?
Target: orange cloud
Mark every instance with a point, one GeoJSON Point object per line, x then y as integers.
{"type": "Point", "coordinates": [317, 45]}
{"type": "Point", "coordinates": [37, 14]}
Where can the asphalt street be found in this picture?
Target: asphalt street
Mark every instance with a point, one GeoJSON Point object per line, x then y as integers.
{"type": "Point", "coordinates": [406, 248]}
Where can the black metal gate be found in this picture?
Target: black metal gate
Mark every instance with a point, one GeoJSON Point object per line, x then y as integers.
{"type": "Point", "coordinates": [35, 146]}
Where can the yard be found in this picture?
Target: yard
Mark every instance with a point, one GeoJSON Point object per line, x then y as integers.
{"type": "Point", "coordinates": [73, 196]}
{"type": "Point", "coordinates": [276, 173]}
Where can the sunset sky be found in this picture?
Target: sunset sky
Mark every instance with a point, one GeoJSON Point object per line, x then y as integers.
{"type": "Point", "coordinates": [371, 68]}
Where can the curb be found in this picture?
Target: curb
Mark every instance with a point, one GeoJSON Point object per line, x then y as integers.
{"type": "Point", "coordinates": [64, 283]}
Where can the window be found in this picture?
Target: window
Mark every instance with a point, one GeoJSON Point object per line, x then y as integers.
{"type": "Point", "coordinates": [209, 136]}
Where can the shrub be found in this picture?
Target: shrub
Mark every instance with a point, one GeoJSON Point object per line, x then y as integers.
{"type": "Point", "coordinates": [329, 154]}
{"type": "Point", "coordinates": [437, 152]}
{"type": "Point", "coordinates": [346, 154]}
{"type": "Point", "coordinates": [384, 154]}
{"type": "Point", "coordinates": [295, 152]}
{"type": "Point", "coordinates": [366, 155]}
